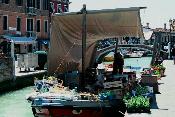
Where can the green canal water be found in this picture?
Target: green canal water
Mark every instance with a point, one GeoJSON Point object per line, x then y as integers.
{"type": "Point", "coordinates": [13, 104]}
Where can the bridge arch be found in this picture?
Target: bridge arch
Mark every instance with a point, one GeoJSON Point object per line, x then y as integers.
{"type": "Point", "coordinates": [101, 53]}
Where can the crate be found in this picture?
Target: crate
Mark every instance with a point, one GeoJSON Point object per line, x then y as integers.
{"type": "Point", "coordinates": [155, 87]}
{"type": "Point", "coordinates": [149, 79]}
{"type": "Point", "coordinates": [113, 84]}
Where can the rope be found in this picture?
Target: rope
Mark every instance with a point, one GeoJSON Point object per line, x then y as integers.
{"type": "Point", "coordinates": [68, 52]}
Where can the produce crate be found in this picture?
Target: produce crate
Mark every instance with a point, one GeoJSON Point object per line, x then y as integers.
{"type": "Point", "coordinates": [138, 110]}
{"type": "Point", "coordinates": [113, 84]}
{"type": "Point", "coordinates": [155, 86]}
{"type": "Point", "coordinates": [150, 79]}
{"type": "Point", "coordinates": [131, 76]}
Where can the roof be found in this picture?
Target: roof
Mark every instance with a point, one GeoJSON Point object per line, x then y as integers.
{"type": "Point", "coordinates": [20, 40]}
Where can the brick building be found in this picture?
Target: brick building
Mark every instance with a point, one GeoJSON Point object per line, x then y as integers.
{"type": "Point", "coordinates": [59, 6]}
{"type": "Point", "coordinates": [25, 18]}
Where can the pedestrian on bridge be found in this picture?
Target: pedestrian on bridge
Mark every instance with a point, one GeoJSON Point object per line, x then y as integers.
{"type": "Point", "coordinates": [173, 53]}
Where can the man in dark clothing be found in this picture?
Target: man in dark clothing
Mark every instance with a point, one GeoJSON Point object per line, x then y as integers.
{"type": "Point", "coordinates": [118, 63]}
{"type": "Point", "coordinates": [173, 54]}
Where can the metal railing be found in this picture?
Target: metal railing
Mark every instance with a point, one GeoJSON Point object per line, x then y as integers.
{"type": "Point", "coordinates": [31, 11]}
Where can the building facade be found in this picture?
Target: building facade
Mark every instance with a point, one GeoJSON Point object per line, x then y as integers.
{"type": "Point", "coordinates": [59, 6]}
{"type": "Point", "coordinates": [25, 18]}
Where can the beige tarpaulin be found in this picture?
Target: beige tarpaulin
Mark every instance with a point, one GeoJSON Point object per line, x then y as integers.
{"type": "Point", "coordinates": [66, 34]}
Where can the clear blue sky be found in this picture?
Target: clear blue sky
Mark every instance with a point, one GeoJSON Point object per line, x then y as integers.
{"type": "Point", "coordinates": [157, 13]}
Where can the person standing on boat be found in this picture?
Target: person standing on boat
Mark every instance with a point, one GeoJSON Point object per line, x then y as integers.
{"type": "Point", "coordinates": [173, 53]}
{"type": "Point", "coordinates": [118, 63]}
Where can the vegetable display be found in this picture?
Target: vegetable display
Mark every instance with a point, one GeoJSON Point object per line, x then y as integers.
{"type": "Point", "coordinates": [138, 102]}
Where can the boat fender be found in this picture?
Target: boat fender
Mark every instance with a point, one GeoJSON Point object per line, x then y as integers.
{"type": "Point", "coordinates": [77, 112]}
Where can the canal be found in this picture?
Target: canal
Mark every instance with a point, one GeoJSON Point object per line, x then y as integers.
{"type": "Point", "coordinates": [13, 104]}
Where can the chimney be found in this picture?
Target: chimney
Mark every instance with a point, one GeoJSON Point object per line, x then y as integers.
{"type": "Point", "coordinates": [164, 26]}
{"type": "Point", "coordinates": [147, 25]}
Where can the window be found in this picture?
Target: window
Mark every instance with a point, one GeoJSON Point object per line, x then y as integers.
{"type": "Point", "coordinates": [29, 48]}
{"type": "Point", "coordinates": [38, 26]}
{"type": "Point", "coordinates": [29, 24]}
{"type": "Point", "coordinates": [5, 1]}
{"type": "Point", "coordinates": [5, 23]}
{"type": "Point", "coordinates": [46, 26]}
{"type": "Point", "coordinates": [38, 4]}
{"type": "Point", "coordinates": [30, 3]}
{"type": "Point", "coordinates": [19, 2]}
{"type": "Point", "coordinates": [18, 24]}
{"type": "Point", "coordinates": [52, 9]}
{"type": "Point", "coordinates": [45, 4]}
{"type": "Point", "coordinates": [59, 8]}
{"type": "Point", "coordinates": [66, 8]}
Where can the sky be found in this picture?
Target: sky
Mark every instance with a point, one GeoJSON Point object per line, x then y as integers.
{"type": "Point", "coordinates": [157, 12]}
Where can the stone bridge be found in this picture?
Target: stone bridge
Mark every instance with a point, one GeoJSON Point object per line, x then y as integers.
{"type": "Point", "coordinates": [111, 48]}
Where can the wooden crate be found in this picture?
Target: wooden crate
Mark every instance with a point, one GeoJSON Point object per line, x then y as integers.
{"type": "Point", "coordinates": [150, 79]}
{"type": "Point", "coordinates": [155, 87]}
{"type": "Point", "coordinates": [113, 84]}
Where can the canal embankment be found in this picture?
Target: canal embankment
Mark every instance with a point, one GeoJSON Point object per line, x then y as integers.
{"type": "Point", "coordinates": [11, 78]}
{"type": "Point", "coordinates": [20, 81]}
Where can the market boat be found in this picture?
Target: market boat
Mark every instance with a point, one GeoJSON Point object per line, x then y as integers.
{"type": "Point", "coordinates": [55, 100]}
{"type": "Point", "coordinates": [50, 98]}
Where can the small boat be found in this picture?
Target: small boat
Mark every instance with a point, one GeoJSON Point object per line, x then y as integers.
{"type": "Point", "coordinates": [135, 54]}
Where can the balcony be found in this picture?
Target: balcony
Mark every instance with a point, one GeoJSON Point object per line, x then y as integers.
{"type": "Point", "coordinates": [31, 11]}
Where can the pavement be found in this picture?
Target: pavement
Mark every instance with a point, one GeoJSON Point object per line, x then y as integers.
{"type": "Point", "coordinates": [164, 103]}
{"type": "Point", "coordinates": [18, 73]}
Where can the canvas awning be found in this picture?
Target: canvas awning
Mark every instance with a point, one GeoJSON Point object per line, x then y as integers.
{"type": "Point", "coordinates": [20, 40]}
{"type": "Point", "coordinates": [66, 34]}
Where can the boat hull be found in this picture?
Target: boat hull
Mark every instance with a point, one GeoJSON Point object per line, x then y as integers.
{"type": "Point", "coordinates": [75, 112]}
{"type": "Point", "coordinates": [79, 109]}
{"type": "Point", "coordinates": [66, 112]}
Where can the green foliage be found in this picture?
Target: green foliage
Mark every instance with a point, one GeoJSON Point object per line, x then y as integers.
{"type": "Point", "coordinates": [137, 102]}
{"type": "Point", "coordinates": [161, 67]}
{"type": "Point", "coordinates": [140, 90]}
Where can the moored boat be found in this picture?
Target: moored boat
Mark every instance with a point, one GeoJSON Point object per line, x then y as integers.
{"type": "Point", "coordinates": [69, 52]}
{"type": "Point", "coordinates": [52, 99]}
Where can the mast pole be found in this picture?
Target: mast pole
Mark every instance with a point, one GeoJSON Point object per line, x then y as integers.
{"type": "Point", "coordinates": [84, 31]}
